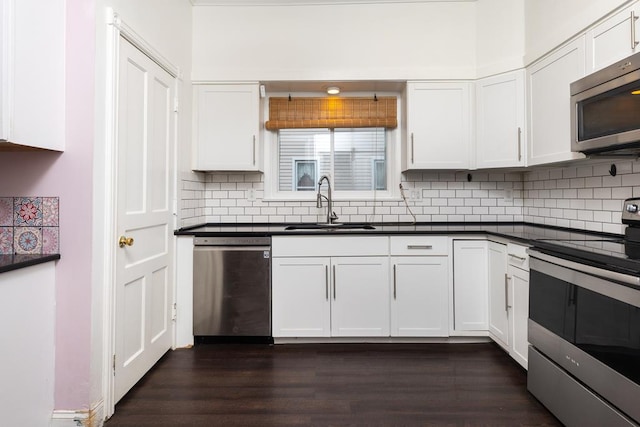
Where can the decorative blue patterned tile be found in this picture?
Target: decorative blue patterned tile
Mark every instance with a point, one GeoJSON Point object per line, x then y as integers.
{"type": "Point", "coordinates": [27, 240]}
{"type": "Point", "coordinates": [27, 211]}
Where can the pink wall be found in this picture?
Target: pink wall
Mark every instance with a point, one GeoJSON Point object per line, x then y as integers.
{"type": "Point", "coordinates": [69, 176]}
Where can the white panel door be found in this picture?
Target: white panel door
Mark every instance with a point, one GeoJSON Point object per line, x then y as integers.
{"type": "Point", "coordinates": [300, 297]}
{"type": "Point", "coordinates": [360, 297]}
{"type": "Point", "coordinates": [420, 296]}
{"type": "Point", "coordinates": [143, 327]}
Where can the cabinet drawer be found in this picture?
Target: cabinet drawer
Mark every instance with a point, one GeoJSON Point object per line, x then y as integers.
{"type": "Point", "coordinates": [517, 255]}
{"type": "Point", "coordinates": [419, 245]}
{"type": "Point", "coordinates": [302, 246]}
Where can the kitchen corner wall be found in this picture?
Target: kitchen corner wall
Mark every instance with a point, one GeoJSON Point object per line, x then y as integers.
{"type": "Point", "coordinates": [583, 196]}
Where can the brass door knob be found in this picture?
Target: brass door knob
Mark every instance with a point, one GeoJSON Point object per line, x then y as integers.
{"type": "Point", "coordinates": [125, 241]}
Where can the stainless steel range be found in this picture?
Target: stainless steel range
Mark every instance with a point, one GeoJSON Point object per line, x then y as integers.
{"type": "Point", "coordinates": [584, 326]}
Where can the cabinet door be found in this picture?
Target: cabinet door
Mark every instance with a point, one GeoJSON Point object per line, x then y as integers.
{"type": "Point", "coordinates": [360, 297]}
{"type": "Point", "coordinates": [500, 103]}
{"type": "Point", "coordinates": [300, 297]}
{"type": "Point", "coordinates": [613, 39]}
{"type": "Point", "coordinates": [419, 300]}
{"type": "Point", "coordinates": [226, 127]}
{"type": "Point", "coordinates": [32, 73]}
{"type": "Point", "coordinates": [549, 108]}
{"type": "Point", "coordinates": [519, 314]}
{"type": "Point", "coordinates": [470, 285]}
{"type": "Point", "coordinates": [498, 304]}
{"type": "Point", "coordinates": [438, 126]}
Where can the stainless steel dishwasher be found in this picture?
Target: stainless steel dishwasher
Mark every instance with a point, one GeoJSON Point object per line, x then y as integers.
{"type": "Point", "coordinates": [232, 287]}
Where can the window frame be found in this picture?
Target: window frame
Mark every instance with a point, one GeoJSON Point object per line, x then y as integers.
{"type": "Point", "coordinates": [393, 158]}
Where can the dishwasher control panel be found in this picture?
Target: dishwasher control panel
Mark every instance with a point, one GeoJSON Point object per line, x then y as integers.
{"type": "Point", "coordinates": [232, 241]}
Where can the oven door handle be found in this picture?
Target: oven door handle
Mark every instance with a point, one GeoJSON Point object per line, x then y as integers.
{"type": "Point", "coordinates": [583, 268]}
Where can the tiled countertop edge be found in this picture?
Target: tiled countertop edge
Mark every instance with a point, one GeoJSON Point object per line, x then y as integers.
{"type": "Point", "coordinates": [16, 262]}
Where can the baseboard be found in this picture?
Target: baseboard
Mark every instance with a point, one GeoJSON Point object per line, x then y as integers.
{"type": "Point", "coordinates": [82, 418]}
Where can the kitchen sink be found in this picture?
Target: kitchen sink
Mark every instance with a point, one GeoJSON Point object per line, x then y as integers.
{"type": "Point", "coordinates": [328, 227]}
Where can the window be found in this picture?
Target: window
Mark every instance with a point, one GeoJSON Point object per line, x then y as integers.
{"type": "Point", "coordinates": [354, 158]}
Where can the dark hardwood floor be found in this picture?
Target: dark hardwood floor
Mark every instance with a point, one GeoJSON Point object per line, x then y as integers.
{"type": "Point", "coordinates": [333, 385]}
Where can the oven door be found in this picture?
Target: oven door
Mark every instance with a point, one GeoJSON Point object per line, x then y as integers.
{"type": "Point", "coordinates": [588, 322]}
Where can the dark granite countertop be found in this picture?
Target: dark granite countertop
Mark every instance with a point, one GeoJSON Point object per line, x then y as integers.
{"type": "Point", "coordinates": [17, 261]}
{"type": "Point", "coordinates": [518, 231]}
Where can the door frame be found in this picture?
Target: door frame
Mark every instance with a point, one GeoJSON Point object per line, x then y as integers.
{"type": "Point", "coordinates": [116, 29]}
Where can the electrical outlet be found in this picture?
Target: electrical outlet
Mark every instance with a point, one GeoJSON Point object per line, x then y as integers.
{"type": "Point", "coordinates": [508, 195]}
{"type": "Point", "coordinates": [251, 194]}
{"type": "Point", "coordinates": [415, 194]}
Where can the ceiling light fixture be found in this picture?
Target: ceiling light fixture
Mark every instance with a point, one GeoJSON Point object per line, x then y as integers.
{"type": "Point", "coordinates": [333, 90]}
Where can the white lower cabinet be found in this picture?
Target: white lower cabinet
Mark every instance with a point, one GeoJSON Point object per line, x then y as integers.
{"type": "Point", "coordinates": [509, 299]}
{"type": "Point", "coordinates": [419, 286]}
{"type": "Point", "coordinates": [470, 286]}
{"type": "Point", "coordinates": [498, 304]}
{"type": "Point", "coordinates": [330, 287]}
{"type": "Point", "coordinates": [419, 304]}
{"type": "Point", "coordinates": [398, 286]}
{"type": "Point", "coordinates": [360, 297]}
{"type": "Point", "coordinates": [518, 314]}
{"type": "Point", "coordinates": [300, 297]}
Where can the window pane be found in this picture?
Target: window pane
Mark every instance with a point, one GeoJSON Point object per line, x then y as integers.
{"type": "Point", "coordinates": [304, 155]}
{"type": "Point", "coordinates": [359, 159]}
{"type": "Point", "coordinates": [354, 158]}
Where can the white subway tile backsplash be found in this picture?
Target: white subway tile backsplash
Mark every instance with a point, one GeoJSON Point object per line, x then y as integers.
{"type": "Point", "coordinates": [583, 196]}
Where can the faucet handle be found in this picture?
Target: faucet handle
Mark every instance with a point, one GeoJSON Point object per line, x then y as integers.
{"type": "Point", "coordinates": [333, 217]}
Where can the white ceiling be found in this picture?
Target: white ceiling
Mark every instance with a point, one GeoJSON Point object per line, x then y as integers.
{"type": "Point", "coordinates": [305, 2]}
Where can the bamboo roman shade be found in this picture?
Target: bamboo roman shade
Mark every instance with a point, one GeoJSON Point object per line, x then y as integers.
{"type": "Point", "coordinates": [301, 113]}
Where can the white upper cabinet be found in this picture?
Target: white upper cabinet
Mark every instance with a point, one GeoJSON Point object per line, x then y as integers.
{"type": "Point", "coordinates": [226, 127]}
{"type": "Point", "coordinates": [549, 139]}
{"type": "Point", "coordinates": [438, 126]}
{"type": "Point", "coordinates": [613, 39]}
{"type": "Point", "coordinates": [32, 74]}
{"type": "Point", "coordinates": [500, 112]}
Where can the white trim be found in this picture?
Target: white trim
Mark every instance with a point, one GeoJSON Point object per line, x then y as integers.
{"type": "Point", "coordinates": [116, 29]}
{"type": "Point", "coordinates": [125, 31]}
{"type": "Point", "coordinates": [93, 418]}
{"type": "Point", "coordinates": [308, 2]}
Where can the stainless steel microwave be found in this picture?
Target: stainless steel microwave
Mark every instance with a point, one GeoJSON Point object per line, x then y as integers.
{"type": "Point", "coordinates": [605, 109]}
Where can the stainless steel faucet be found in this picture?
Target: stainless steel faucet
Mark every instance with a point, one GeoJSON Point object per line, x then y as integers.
{"type": "Point", "coordinates": [331, 215]}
